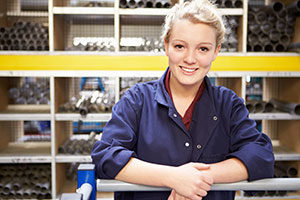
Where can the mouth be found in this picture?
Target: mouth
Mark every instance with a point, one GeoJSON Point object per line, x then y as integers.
{"type": "Point", "coordinates": [188, 70]}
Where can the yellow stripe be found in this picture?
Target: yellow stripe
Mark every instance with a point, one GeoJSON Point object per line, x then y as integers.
{"type": "Point", "coordinates": [136, 63]}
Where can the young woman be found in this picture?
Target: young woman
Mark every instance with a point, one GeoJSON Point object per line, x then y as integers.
{"type": "Point", "coordinates": [180, 131]}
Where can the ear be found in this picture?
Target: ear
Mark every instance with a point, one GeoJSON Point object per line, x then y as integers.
{"type": "Point", "coordinates": [166, 47]}
{"type": "Point", "coordinates": [216, 51]}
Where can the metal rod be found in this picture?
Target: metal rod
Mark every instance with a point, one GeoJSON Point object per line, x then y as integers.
{"type": "Point", "coordinates": [263, 184]}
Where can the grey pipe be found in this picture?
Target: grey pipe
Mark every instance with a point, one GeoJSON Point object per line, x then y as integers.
{"type": "Point", "coordinates": [257, 47]}
{"type": "Point", "coordinates": [31, 5]}
{"type": "Point", "coordinates": [279, 47]}
{"type": "Point", "coordinates": [268, 47]}
{"type": "Point", "coordinates": [280, 25]}
{"type": "Point", "coordinates": [228, 3]}
{"type": "Point", "coordinates": [263, 184]}
{"type": "Point", "coordinates": [266, 27]}
{"type": "Point", "coordinates": [289, 31]}
{"type": "Point", "coordinates": [286, 168]}
{"type": "Point", "coordinates": [293, 108]}
{"type": "Point", "coordinates": [294, 46]}
{"type": "Point", "coordinates": [294, 8]}
{"type": "Point", "coordinates": [238, 4]}
{"type": "Point", "coordinates": [149, 3]}
{"type": "Point", "coordinates": [260, 17]}
{"type": "Point", "coordinates": [277, 6]}
{"type": "Point", "coordinates": [141, 3]}
{"type": "Point", "coordinates": [274, 35]}
{"type": "Point", "coordinates": [254, 28]}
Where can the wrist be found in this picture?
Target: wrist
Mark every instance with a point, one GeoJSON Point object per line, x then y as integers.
{"type": "Point", "coordinates": [169, 174]}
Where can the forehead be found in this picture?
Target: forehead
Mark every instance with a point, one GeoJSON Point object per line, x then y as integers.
{"type": "Point", "coordinates": [193, 32]}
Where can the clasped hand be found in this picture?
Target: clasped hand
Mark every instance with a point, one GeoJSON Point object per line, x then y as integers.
{"type": "Point", "coordinates": [191, 181]}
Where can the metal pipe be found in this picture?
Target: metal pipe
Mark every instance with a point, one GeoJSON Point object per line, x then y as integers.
{"type": "Point", "coordinates": [277, 6]}
{"type": "Point", "coordinates": [280, 25]}
{"type": "Point", "coordinates": [293, 108]}
{"type": "Point", "coordinates": [263, 184]}
{"type": "Point", "coordinates": [257, 47]}
{"type": "Point", "coordinates": [254, 28]}
{"type": "Point", "coordinates": [279, 47]}
{"type": "Point", "coordinates": [149, 4]}
{"type": "Point", "coordinates": [238, 4]}
{"type": "Point", "coordinates": [294, 8]}
{"type": "Point", "coordinates": [141, 4]}
{"type": "Point", "coordinates": [266, 27]}
{"type": "Point", "coordinates": [269, 47]}
{"type": "Point", "coordinates": [228, 3]}
{"type": "Point", "coordinates": [294, 46]}
{"type": "Point", "coordinates": [288, 169]}
{"type": "Point", "coordinates": [31, 5]}
{"type": "Point", "coordinates": [274, 35]}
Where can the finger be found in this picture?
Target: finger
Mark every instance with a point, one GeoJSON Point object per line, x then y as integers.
{"type": "Point", "coordinates": [202, 193]}
{"type": "Point", "coordinates": [171, 197]}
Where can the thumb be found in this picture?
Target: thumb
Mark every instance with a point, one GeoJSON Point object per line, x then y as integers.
{"type": "Point", "coordinates": [201, 166]}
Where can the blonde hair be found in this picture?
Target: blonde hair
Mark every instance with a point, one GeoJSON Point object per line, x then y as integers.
{"type": "Point", "coordinates": [196, 11]}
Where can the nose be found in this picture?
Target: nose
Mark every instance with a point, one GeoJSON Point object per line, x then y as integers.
{"type": "Point", "coordinates": [189, 57]}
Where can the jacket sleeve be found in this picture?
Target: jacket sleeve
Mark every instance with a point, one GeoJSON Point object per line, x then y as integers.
{"type": "Point", "coordinates": [116, 147]}
{"type": "Point", "coordinates": [253, 148]}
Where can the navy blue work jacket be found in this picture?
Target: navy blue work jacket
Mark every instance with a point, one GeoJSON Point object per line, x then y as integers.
{"type": "Point", "coordinates": [146, 125]}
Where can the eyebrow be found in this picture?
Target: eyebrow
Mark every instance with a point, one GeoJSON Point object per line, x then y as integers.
{"type": "Point", "coordinates": [201, 43]}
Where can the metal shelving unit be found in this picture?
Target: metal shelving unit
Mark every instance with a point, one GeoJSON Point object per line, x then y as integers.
{"type": "Point", "coordinates": [229, 69]}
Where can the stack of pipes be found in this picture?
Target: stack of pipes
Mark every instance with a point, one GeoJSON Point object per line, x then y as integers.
{"type": "Point", "coordinates": [78, 146]}
{"type": "Point", "coordinates": [274, 104]}
{"type": "Point", "coordinates": [270, 28]}
{"type": "Point", "coordinates": [24, 36]}
{"type": "Point", "coordinates": [94, 103]}
{"type": "Point", "coordinates": [230, 43]}
{"type": "Point", "coordinates": [127, 82]}
{"type": "Point", "coordinates": [149, 44]}
{"type": "Point", "coordinates": [281, 170]}
{"type": "Point", "coordinates": [145, 4]}
{"type": "Point", "coordinates": [25, 181]}
{"type": "Point", "coordinates": [228, 3]}
{"type": "Point", "coordinates": [30, 93]}
{"type": "Point", "coordinates": [93, 46]}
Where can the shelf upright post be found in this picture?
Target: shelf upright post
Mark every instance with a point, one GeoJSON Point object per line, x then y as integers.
{"type": "Point", "coordinates": [117, 25]}
{"type": "Point", "coordinates": [245, 25]}
{"type": "Point", "coordinates": [51, 25]}
{"type": "Point", "coordinates": [52, 113]}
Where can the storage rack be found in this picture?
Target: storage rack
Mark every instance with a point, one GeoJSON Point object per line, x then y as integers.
{"type": "Point", "coordinates": [281, 73]}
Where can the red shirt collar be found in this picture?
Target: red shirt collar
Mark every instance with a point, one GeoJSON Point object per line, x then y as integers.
{"type": "Point", "coordinates": [187, 118]}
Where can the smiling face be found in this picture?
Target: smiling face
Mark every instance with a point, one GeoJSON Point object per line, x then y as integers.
{"type": "Point", "coordinates": [191, 49]}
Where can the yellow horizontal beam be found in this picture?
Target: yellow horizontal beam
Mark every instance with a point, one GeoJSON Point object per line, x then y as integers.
{"type": "Point", "coordinates": [139, 63]}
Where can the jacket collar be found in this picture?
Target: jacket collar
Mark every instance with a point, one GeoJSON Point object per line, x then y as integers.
{"type": "Point", "coordinates": [162, 96]}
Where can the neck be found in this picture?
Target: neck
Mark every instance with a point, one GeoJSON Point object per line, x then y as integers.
{"type": "Point", "coordinates": [183, 91]}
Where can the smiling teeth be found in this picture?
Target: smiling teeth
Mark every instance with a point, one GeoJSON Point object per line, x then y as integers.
{"type": "Point", "coordinates": [188, 70]}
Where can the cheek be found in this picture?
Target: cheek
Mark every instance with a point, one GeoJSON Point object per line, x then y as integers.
{"type": "Point", "coordinates": [205, 61]}
{"type": "Point", "coordinates": [174, 57]}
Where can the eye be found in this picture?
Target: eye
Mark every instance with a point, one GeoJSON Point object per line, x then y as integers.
{"type": "Point", "coordinates": [204, 49]}
{"type": "Point", "coordinates": [179, 46]}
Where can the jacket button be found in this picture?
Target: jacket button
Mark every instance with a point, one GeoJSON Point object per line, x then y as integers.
{"type": "Point", "coordinates": [187, 144]}
{"type": "Point", "coordinates": [215, 118]}
{"type": "Point", "coordinates": [174, 115]}
{"type": "Point", "coordinates": [199, 146]}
